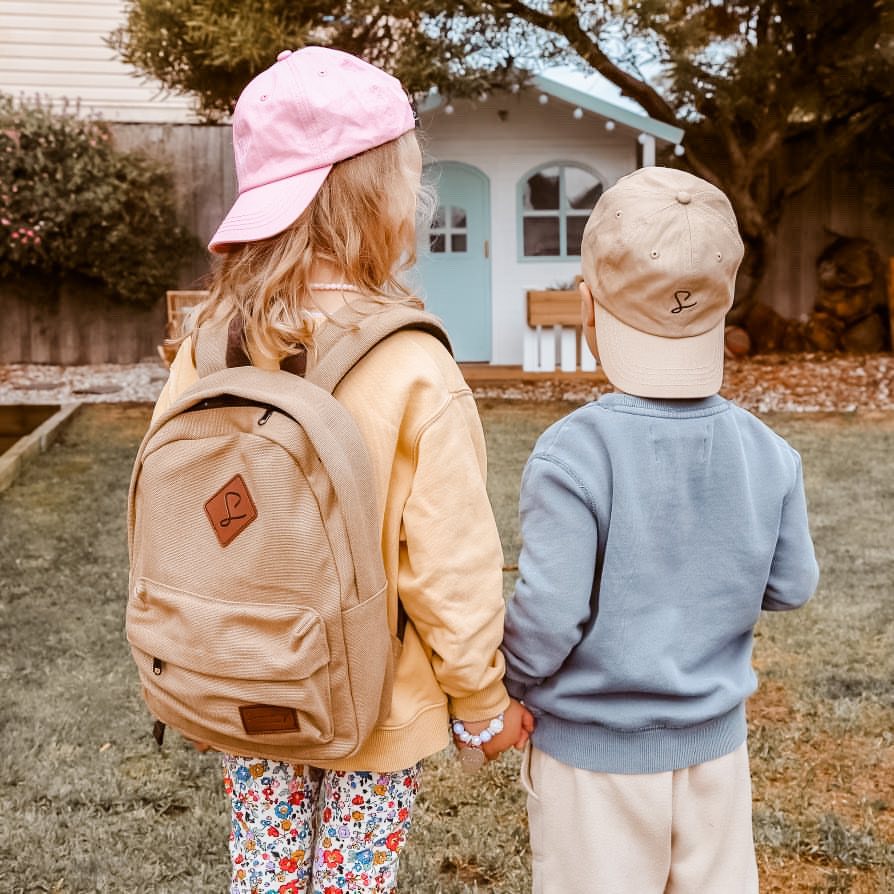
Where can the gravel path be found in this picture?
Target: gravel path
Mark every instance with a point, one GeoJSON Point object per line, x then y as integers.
{"type": "Point", "coordinates": [769, 383]}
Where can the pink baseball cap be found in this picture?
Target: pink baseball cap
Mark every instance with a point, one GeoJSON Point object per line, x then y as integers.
{"type": "Point", "coordinates": [292, 123]}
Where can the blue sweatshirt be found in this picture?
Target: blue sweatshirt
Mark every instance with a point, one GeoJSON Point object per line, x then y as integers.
{"type": "Point", "coordinates": [653, 534]}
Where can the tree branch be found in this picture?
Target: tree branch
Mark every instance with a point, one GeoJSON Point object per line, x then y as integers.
{"type": "Point", "coordinates": [843, 136]}
{"type": "Point", "coordinates": [567, 25]}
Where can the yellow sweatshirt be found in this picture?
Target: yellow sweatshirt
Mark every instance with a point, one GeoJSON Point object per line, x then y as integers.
{"type": "Point", "coordinates": [439, 540]}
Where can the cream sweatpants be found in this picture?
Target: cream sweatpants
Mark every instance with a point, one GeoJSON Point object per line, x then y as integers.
{"type": "Point", "coordinates": [681, 832]}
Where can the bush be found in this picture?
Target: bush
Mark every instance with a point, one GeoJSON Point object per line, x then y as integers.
{"type": "Point", "coordinates": [72, 204]}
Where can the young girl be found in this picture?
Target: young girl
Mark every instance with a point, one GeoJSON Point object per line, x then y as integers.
{"type": "Point", "coordinates": [329, 171]}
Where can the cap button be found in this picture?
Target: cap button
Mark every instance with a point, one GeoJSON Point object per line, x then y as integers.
{"type": "Point", "coordinates": [683, 197]}
{"type": "Point", "coordinates": [283, 55]}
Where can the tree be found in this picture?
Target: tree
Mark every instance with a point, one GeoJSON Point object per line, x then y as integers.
{"type": "Point", "coordinates": [746, 80]}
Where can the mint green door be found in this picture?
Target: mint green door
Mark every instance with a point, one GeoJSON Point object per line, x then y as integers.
{"type": "Point", "coordinates": [455, 264]}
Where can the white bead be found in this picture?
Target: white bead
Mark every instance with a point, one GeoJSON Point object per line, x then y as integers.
{"type": "Point", "coordinates": [475, 741]}
{"type": "Point", "coordinates": [485, 736]}
{"type": "Point", "coordinates": [497, 726]}
{"type": "Point", "coordinates": [458, 728]}
{"type": "Point", "coordinates": [465, 736]}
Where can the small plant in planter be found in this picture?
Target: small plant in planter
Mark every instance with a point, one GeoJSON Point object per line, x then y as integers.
{"type": "Point", "coordinates": [73, 205]}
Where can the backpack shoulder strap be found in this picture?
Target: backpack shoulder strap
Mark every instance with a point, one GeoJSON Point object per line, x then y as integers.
{"type": "Point", "coordinates": [357, 329]}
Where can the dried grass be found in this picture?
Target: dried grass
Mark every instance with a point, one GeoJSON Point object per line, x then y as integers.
{"type": "Point", "coordinates": [87, 803]}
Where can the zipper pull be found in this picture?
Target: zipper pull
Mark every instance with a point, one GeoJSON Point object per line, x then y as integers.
{"type": "Point", "coordinates": [267, 414]}
{"type": "Point", "coordinates": [157, 666]}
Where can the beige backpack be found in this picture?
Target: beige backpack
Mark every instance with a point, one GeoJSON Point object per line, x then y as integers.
{"type": "Point", "coordinates": [257, 612]}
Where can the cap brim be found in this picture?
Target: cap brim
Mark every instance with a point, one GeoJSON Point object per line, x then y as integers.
{"type": "Point", "coordinates": [266, 210]}
{"type": "Point", "coordinates": [651, 366]}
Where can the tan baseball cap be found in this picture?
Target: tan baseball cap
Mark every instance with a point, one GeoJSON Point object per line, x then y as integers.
{"type": "Point", "coordinates": [660, 254]}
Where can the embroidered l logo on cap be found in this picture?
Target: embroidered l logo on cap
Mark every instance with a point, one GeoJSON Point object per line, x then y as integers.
{"type": "Point", "coordinates": [231, 510]}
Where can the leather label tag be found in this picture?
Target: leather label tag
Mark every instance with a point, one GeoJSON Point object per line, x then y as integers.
{"type": "Point", "coordinates": [231, 510]}
{"type": "Point", "coordinates": [260, 719]}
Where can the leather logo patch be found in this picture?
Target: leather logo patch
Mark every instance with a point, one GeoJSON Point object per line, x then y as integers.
{"type": "Point", "coordinates": [231, 510]}
{"type": "Point", "coordinates": [260, 719]}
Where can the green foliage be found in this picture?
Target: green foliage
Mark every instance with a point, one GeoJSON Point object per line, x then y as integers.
{"type": "Point", "coordinates": [212, 48]}
{"type": "Point", "coordinates": [70, 203]}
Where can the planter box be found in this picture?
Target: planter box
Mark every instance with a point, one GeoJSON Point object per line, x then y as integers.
{"type": "Point", "coordinates": [554, 329]}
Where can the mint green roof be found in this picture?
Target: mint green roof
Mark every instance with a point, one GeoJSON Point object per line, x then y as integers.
{"type": "Point", "coordinates": [638, 120]}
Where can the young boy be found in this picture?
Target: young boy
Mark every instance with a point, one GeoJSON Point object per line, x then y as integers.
{"type": "Point", "coordinates": [657, 523]}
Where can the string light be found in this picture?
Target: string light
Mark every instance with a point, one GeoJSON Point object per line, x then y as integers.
{"type": "Point", "coordinates": [544, 99]}
{"type": "Point", "coordinates": [679, 151]}
{"type": "Point", "coordinates": [609, 125]}
{"type": "Point", "coordinates": [448, 109]}
{"type": "Point", "coordinates": [578, 114]}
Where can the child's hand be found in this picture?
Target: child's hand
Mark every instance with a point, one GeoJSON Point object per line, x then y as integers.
{"type": "Point", "coordinates": [518, 724]}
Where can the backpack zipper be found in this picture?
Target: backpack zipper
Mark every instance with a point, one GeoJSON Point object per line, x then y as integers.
{"type": "Point", "coordinates": [267, 414]}
{"type": "Point", "coordinates": [157, 666]}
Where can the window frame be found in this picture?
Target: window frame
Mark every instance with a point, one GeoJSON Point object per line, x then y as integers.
{"type": "Point", "coordinates": [562, 212]}
{"type": "Point", "coordinates": [449, 230]}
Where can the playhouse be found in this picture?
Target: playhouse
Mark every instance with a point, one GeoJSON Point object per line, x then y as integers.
{"type": "Point", "coordinates": [517, 175]}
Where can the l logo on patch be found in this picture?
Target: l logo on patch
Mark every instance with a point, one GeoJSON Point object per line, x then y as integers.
{"type": "Point", "coordinates": [231, 510]}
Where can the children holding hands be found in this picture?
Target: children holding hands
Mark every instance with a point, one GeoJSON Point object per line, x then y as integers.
{"type": "Point", "coordinates": [657, 522]}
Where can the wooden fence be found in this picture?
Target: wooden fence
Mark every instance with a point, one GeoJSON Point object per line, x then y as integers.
{"type": "Point", "coordinates": [96, 331]}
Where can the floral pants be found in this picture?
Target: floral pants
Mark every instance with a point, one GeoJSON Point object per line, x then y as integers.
{"type": "Point", "coordinates": [301, 830]}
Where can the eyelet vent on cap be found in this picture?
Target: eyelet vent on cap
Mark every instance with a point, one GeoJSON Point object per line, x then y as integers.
{"type": "Point", "coordinates": [654, 254]}
{"type": "Point", "coordinates": [719, 256]}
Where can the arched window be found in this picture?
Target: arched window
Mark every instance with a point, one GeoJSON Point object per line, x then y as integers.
{"type": "Point", "coordinates": [555, 202]}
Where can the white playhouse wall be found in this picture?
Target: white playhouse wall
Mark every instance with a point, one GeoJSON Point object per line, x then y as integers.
{"type": "Point", "coordinates": [531, 135]}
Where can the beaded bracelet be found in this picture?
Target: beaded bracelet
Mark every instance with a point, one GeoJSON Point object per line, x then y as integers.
{"type": "Point", "coordinates": [471, 757]}
{"type": "Point", "coordinates": [494, 728]}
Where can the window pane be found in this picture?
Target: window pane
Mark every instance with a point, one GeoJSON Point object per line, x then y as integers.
{"type": "Point", "coordinates": [541, 236]}
{"type": "Point", "coordinates": [582, 189]}
{"type": "Point", "coordinates": [458, 218]}
{"type": "Point", "coordinates": [436, 242]}
{"type": "Point", "coordinates": [458, 242]}
{"type": "Point", "coordinates": [574, 233]}
{"type": "Point", "coordinates": [437, 222]}
{"type": "Point", "coordinates": [542, 191]}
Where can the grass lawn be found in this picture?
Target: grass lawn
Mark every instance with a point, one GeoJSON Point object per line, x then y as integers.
{"type": "Point", "coordinates": [88, 803]}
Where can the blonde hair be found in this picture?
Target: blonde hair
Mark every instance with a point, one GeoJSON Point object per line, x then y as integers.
{"type": "Point", "coordinates": [362, 222]}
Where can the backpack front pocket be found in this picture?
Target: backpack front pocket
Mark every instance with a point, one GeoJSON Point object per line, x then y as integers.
{"type": "Point", "coordinates": [228, 673]}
